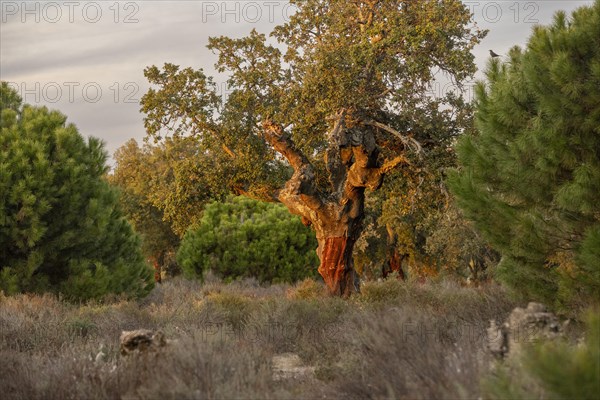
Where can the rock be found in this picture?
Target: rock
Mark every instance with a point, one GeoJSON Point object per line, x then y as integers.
{"type": "Point", "coordinates": [536, 308]}
{"type": "Point", "coordinates": [522, 326]}
{"type": "Point", "coordinates": [497, 340]}
{"type": "Point", "coordinates": [102, 355]}
{"type": "Point", "coordinates": [141, 340]}
{"type": "Point", "coordinates": [290, 366]}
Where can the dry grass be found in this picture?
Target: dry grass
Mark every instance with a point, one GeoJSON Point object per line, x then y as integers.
{"type": "Point", "coordinates": [395, 340]}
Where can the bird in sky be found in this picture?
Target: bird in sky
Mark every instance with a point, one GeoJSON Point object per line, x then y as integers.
{"type": "Point", "coordinates": [494, 55]}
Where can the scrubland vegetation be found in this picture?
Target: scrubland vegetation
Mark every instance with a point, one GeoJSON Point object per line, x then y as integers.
{"type": "Point", "coordinates": [402, 340]}
{"type": "Point", "coordinates": [486, 206]}
{"type": "Point", "coordinates": [394, 340]}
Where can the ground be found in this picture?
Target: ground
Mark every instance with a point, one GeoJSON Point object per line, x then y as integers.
{"type": "Point", "coordinates": [395, 339]}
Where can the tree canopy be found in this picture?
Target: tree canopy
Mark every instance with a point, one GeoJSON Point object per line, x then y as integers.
{"type": "Point", "coordinates": [316, 126]}
{"type": "Point", "coordinates": [61, 227]}
{"type": "Point", "coordinates": [172, 181]}
{"type": "Point", "coordinates": [164, 188]}
{"type": "Point", "coordinates": [530, 177]}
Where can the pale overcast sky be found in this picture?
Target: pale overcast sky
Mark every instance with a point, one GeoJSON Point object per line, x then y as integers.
{"type": "Point", "coordinates": [86, 58]}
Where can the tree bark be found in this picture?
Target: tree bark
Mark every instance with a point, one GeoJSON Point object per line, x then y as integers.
{"type": "Point", "coordinates": [336, 213]}
{"type": "Point", "coordinates": [157, 262]}
{"type": "Point", "coordinates": [337, 267]}
{"type": "Point", "coordinates": [394, 259]}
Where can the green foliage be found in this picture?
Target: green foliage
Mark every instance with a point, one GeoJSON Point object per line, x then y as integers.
{"type": "Point", "coordinates": [569, 372]}
{"type": "Point", "coordinates": [207, 151]}
{"type": "Point", "coordinates": [429, 231]}
{"type": "Point", "coordinates": [141, 177]}
{"type": "Point", "coordinates": [369, 64]}
{"type": "Point", "coordinates": [246, 238]}
{"type": "Point", "coordinates": [552, 370]}
{"type": "Point", "coordinates": [530, 179]}
{"type": "Point", "coordinates": [374, 59]}
{"type": "Point", "coordinates": [457, 246]}
{"type": "Point", "coordinates": [9, 101]}
{"type": "Point", "coordinates": [61, 228]}
{"type": "Point", "coordinates": [165, 188]}
{"type": "Point", "coordinates": [414, 213]}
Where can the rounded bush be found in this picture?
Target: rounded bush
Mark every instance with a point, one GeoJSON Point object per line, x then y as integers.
{"type": "Point", "coordinates": [246, 238]}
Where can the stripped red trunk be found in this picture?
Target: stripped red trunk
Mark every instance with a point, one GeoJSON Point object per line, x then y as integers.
{"type": "Point", "coordinates": [394, 264]}
{"type": "Point", "coordinates": [337, 267]}
{"type": "Point", "coordinates": [157, 262]}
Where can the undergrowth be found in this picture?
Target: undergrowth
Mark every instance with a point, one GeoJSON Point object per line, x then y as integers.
{"type": "Point", "coordinates": [395, 340]}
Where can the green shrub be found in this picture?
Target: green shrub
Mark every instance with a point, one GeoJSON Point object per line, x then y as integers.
{"type": "Point", "coordinates": [234, 307]}
{"type": "Point", "coordinates": [81, 327]}
{"type": "Point", "coordinates": [246, 238]}
{"type": "Point", "coordinates": [569, 371]}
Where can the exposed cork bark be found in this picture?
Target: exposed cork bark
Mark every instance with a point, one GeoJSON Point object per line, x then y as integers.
{"type": "Point", "coordinates": [336, 213]}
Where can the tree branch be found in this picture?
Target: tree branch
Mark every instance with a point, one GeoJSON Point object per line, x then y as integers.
{"type": "Point", "coordinates": [406, 140]}
{"type": "Point", "coordinates": [277, 138]}
{"type": "Point", "coordinates": [391, 164]}
{"type": "Point", "coordinates": [334, 160]}
{"type": "Point", "coordinates": [205, 125]}
{"type": "Point", "coordinates": [300, 193]}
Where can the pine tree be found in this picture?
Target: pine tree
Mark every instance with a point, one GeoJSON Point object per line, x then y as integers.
{"type": "Point", "coordinates": [61, 228]}
{"type": "Point", "coordinates": [530, 178]}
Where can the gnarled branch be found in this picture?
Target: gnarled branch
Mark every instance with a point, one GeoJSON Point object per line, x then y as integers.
{"type": "Point", "coordinates": [391, 164]}
{"type": "Point", "coordinates": [335, 161]}
{"type": "Point", "coordinates": [300, 191]}
{"type": "Point", "coordinates": [275, 135]}
{"type": "Point", "coordinates": [406, 140]}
